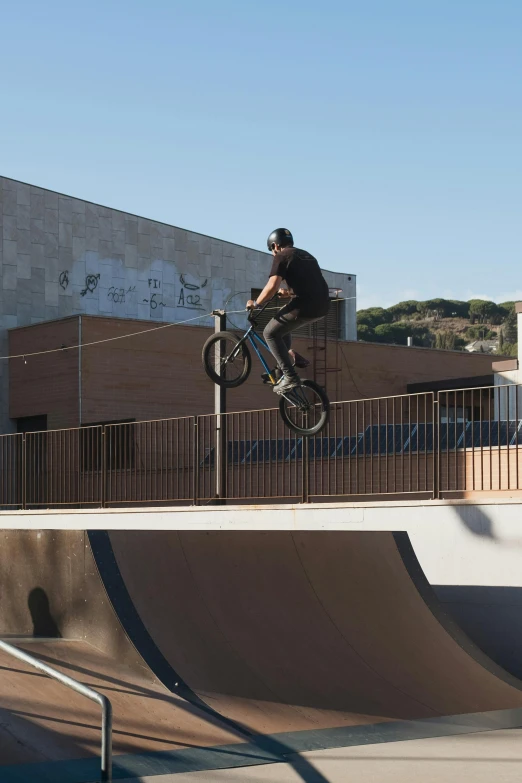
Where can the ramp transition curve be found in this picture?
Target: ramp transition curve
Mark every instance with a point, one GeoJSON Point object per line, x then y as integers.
{"type": "Point", "coordinates": [218, 641]}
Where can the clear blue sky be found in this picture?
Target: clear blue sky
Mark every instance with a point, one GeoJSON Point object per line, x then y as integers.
{"type": "Point", "coordinates": [387, 134]}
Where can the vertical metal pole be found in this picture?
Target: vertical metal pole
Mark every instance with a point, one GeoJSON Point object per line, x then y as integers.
{"type": "Point", "coordinates": [103, 468]}
{"type": "Point", "coordinates": [305, 445]}
{"type": "Point", "coordinates": [24, 473]}
{"type": "Point", "coordinates": [80, 371]}
{"type": "Point", "coordinates": [436, 450]}
{"type": "Point", "coordinates": [195, 448]}
{"type": "Point", "coordinates": [220, 408]}
{"type": "Point", "coordinates": [106, 751]}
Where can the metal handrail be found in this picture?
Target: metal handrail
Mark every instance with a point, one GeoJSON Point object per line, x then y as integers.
{"type": "Point", "coordinates": [103, 701]}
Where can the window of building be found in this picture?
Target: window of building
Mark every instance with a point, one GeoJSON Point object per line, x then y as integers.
{"type": "Point", "coordinates": [451, 414]}
{"type": "Point", "coordinates": [32, 423]}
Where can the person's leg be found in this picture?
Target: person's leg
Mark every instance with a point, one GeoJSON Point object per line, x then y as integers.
{"type": "Point", "coordinates": [277, 334]}
{"type": "Point", "coordinates": [295, 358]}
{"type": "Point", "coordinates": [287, 339]}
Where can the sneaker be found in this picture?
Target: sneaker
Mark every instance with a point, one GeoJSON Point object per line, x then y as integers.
{"type": "Point", "coordinates": [287, 383]}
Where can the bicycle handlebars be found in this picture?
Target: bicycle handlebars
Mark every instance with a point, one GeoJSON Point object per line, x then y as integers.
{"type": "Point", "coordinates": [257, 310]}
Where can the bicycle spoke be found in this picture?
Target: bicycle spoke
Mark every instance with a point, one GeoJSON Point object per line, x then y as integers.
{"type": "Point", "coordinates": [230, 362]}
{"type": "Point", "coordinates": [303, 407]}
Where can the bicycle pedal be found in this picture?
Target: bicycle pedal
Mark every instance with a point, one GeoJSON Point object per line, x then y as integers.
{"type": "Point", "coordinates": [276, 375]}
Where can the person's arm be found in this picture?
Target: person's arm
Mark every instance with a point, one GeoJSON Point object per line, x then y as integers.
{"type": "Point", "coordinates": [270, 290]}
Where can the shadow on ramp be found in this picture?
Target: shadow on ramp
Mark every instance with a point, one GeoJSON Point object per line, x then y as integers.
{"type": "Point", "coordinates": [40, 610]}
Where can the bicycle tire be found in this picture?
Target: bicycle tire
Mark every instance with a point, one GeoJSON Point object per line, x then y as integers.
{"type": "Point", "coordinates": [210, 369]}
{"type": "Point", "coordinates": [324, 415]}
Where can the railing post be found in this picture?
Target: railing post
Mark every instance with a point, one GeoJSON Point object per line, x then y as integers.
{"type": "Point", "coordinates": [220, 408]}
{"type": "Point", "coordinates": [436, 450]}
{"type": "Point", "coordinates": [83, 690]}
{"type": "Point", "coordinates": [24, 473]}
{"type": "Point", "coordinates": [305, 466]}
{"type": "Point", "coordinates": [103, 468]}
{"type": "Point", "coordinates": [106, 748]}
{"type": "Point", "coordinates": [195, 449]}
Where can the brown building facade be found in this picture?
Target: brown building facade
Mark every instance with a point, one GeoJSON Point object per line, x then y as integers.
{"type": "Point", "coordinates": [95, 378]}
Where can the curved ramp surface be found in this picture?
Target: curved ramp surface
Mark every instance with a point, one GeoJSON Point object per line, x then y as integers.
{"type": "Point", "coordinates": [49, 585]}
{"type": "Point", "coordinates": [283, 631]}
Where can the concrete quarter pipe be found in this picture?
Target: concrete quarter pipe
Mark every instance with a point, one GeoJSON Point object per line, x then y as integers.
{"type": "Point", "coordinates": [248, 644]}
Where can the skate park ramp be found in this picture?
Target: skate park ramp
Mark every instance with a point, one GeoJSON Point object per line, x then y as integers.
{"type": "Point", "coordinates": [49, 587]}
{"type": "Point", "coordinates": [225, 649]}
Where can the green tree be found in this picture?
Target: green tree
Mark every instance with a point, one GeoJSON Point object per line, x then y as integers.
{"type": "Point", "coordinates": [459, 309]}
{"type": "Point", "coordinates": [373, 316]}
{"type": "Point", "coordinates": [508, 349]}
{"type": "Point", "coordinates": [398, 334]}
{"type": "Point", "coordinates": [460, 343]}
{"type": "Point", "coordinates": [507, 307]}
{"type": "Point", "coordinates": [441, 308]}
{"type": "Point", "coordinates": [393, 333]}
{"type": "Point", "coordinates": [479, 333]}
{"type": "Point", "coordinates": [365, 333]}
{"type": "Point", "coordinates": [445, 340]}
{"type": "Point", "coordinates": [509, 328]}
{"type": "Point", "coordinates": [483, 311]}
{"type": "Point", "coordinates": [438, 307]}
{"type": "Point", "coordinates": [403, 309]}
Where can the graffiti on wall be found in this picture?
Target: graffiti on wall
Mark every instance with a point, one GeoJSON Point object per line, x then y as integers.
{"type": "Point", "coordinates": [91, 283]}
{"type": "Point", "coordinates": [117, 295]}
{"type": "Point", "coordinates": [154, 302]}
{"type": "Point", "coordinates": [192, 300]}
{"type": "Point", "coordinates": [190, 293]}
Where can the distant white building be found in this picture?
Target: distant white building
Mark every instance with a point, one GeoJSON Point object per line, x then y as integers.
{"type": "Point", "coordinates": [508, 372]}
{"type": "Point", "coordinates": [482, 346]}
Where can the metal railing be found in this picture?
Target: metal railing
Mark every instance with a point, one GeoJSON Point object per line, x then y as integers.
{"type": "Point", "coordinates": [479, 439]}
{"type": "Point", "coordinates": [426, 445]}
{"type": "Point", "coordinates": [83, 690]}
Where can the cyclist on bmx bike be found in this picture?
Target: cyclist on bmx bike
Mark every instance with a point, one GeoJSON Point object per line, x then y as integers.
{"type": "Point", "coordinates": [309, 301]}
{"type": "Point", "coordinates": [303, 404]}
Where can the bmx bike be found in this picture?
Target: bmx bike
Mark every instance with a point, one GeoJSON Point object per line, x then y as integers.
{"type": "Point", "coordinates": [227, 361]}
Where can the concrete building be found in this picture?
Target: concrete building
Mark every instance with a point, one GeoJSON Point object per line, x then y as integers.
{"type": "Point", "coordinates": [63, 256]}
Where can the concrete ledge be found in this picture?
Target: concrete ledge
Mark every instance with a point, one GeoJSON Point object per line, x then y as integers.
{"type": "Point", "coordinates": [458, 542]}
{"type": "Point", "coordinates": [484, 498]}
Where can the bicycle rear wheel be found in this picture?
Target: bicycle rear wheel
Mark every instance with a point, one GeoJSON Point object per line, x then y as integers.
{"type": "Point", "coordinates": [225, 361]}
{"type": "Point", "coordinates": [305, 409]}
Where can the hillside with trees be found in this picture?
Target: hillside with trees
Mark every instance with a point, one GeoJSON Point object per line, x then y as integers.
{"type": "Point", "coordinates": [443, 323]}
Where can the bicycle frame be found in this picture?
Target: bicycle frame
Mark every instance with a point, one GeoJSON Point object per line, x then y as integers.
{"type": "Point", "coordinates": [296, 396]}
{"type": "Point", "coordinates": [251, 336]}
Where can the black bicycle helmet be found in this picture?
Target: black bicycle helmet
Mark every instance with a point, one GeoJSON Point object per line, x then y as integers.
{"type": "Point", "coordinates": [282, 237]}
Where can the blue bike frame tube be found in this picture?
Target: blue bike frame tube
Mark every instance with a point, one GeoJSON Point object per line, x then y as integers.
{"type": "Point", "coordinates": [249, 335]}
{"type": "Point", "coordinates": [260, 355]}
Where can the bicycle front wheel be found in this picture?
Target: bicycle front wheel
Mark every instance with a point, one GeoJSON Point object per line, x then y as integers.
{"type": "Point", "coordinates": [225, 361]}
{"type": "Point", "coordinates": [305, 409]}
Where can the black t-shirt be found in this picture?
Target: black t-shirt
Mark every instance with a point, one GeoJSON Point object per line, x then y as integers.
{"type": "Point", "coordinates": [302, 274]}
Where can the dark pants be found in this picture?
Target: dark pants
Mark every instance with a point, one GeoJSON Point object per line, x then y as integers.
{"type": "Point", "coordinates": [278, 334]}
